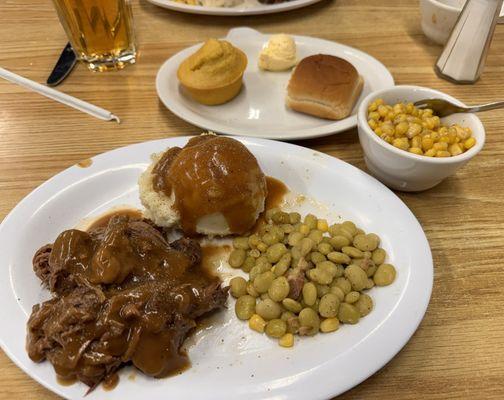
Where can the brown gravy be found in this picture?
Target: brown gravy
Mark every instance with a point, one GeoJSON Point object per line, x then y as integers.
{"type": "Point", "coordinates": [212, 174]}
{"type": "Point", "coordinates": [103, 220]}
{"type": "Point", "coordinates": [213, 253]}
{"type": "Point", "coordinates": [85, 163]}
{"type": "Point", "coordinates": [123, 294]}
{"type": "Point", "coordinates": [65, 381]}
{"type": "Point", "coordinates": [276, 193]}
{"type": "Point", "coordinates": [110, 382]}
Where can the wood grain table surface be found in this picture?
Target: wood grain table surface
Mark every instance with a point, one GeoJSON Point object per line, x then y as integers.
{"type": "Point", "coordinates": [458, 350]}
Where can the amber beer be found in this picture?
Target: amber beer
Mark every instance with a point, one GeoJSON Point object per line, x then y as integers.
{"type": "Point", "coordinates": [100, 31]}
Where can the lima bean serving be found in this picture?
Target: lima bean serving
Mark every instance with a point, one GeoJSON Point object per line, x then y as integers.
{"type": "Point", "coordinates": [306, 277]}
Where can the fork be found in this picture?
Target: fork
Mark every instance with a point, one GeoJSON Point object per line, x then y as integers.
{"type": "Point", "coordinates": [443, 108]}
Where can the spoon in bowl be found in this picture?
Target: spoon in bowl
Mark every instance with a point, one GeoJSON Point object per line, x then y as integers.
{"type": "Point", "coordinates": [443, 108]}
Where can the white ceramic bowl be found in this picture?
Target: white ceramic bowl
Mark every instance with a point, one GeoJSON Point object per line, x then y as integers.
{"type": "Point", "coordinates": [439, 17]}
{"type": "Point", "coordinates": [406, 171]}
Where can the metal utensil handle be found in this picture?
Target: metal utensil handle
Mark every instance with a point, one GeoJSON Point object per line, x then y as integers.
{"type": "Point", "coordinates": [489, 106]}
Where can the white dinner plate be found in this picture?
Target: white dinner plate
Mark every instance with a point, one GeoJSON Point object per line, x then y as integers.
{"type": "Point", "coordinates": [229, 361]}
{"type": "Point", "coordinates": [259, 110]}
{"type": "Point", "coordinates": [248, 7]}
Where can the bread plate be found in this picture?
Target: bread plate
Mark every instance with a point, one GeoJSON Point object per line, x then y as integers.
{"type": "Point", "coordinates": [229, 360]}
{"type": "Point", "coordinates": [259, 110]}
{"type": "Point", "coordinates": [248, 7]}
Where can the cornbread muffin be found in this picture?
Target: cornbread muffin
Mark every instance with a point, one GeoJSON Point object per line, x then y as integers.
{"type": "Point", "coordinates": [213, 75]}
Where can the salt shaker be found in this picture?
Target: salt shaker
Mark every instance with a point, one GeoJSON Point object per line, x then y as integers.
{"type": "Point", "coordinates": [463, 56]}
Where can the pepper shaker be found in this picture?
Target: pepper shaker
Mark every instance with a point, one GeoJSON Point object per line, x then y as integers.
{"type": "Point", "coordinates": [464, 55]}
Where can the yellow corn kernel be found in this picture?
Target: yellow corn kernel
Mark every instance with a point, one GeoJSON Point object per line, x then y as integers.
{"type": "Point", "coordinates": [329, 325]}
{"type": "Point", "coordinates": [416, 150]}
{"type": "Point", "coordinates": [387, 128]}
{"type": "Point", "coordinates": [372, 124]}
{"type": "Point", "coordinates": [436, 120]}
{"type": "Point", "coordinates": [257, 323]}
{"type": "Point", "coordinates": [443, 130]}
{"type": "Point", "coordinates": [469, 143]}
{"type": "Point", "coordinates": [416, 142]}
{"type": "Point", "coordinates": [428, 123]}
{"type": "Point", "coordinates": [430, 153]}
{"type": "Point", "coordinates": [435, 136]}
{"type": "Point", "coordinates": [451, 138]}
{"type": "Point", "coordinates": [409, 108]}
{"type": "Point", "coordinates": [401, 128]}
{"type": "Point", "coordinates": [378, 131]}
{"type": "Point", "coordinates": [399, 108]}
{"type": "Point", "coordinates": [322, 225]}
{"type": "Point", "coordinates": [382, 110]}
{"type": "Point", "coordinates": [443, 153]}
{"type": "Point", "coordinates": [444, 139]}
{"type": "Point", "coordinates": [304, 229]}
{"type": "Point", "coordinates": [427, 113]}
{"type": "Point", "coordinates": [413, 130]}
{"type": "Point", "coordinates": [401, 143]}
{"type": "Point", "coordinates": [387, 138]}
{"type": "Point", "coordinates": [379, 102]}
{"type": "Point", "coordinates": [400, 118]}
{"type": "Point", "coordinates": [455, 149]}
{"type": "Point", "coordinates": [286, 340]}
{"type": "Point", "coordinates": [372, 107]}
{"type": "Point", "coordinates": [443, 146]}
{"type": "Point", "coordinates": [390, 116]}
{"type": "Point", "coordinates": [427, 143]}
{"type": "Point", "coordinates": [374, 115]}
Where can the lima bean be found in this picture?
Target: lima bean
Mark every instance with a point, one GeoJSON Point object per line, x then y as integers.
{"type": "Point", "coordinates": [384, 275]}
{"type": "Point", "coordinates": [344, 284]}
{"type": "Point", "coordinates": [275, 252]}
{"type": "Point", "coordinates": [292, 305]}
{"type": "Point", "coordinates": [352, 252]}
{"type": "Point", "coordinates": [338, 258]}
{"type": "Point", "coordinates": [276, 328]}
{"type": "Point", "coordinates": [245, 307]}
{"type": "Point", "coordinates": [309, 321]}
{"type": "Point", "coordinates": [379, 256]}
{"type": "Point", "coordinates": [237, 257]}
{"type": "Point", "coordinates": [238, 287]}
{"type": "Point", "coordinates": [309, 293]}
{"type": "Point", "coordinates": [268, 309]}
{"type": "Point", "coordinates": [357, 277]}
{"type": "Point", "coordinates": [329, 304]}
{"type": "Point", "coordinates": [364, 304]}
{"type": "Point", "coordinates": [262, 282]}
{"type": "Point", "coordinates": [279, 289]}
{"type": "Point", "coordinates": [348, 313]}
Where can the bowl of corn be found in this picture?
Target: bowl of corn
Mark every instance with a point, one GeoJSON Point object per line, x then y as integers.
{"type": "Point", "coordinates": [410, 149]}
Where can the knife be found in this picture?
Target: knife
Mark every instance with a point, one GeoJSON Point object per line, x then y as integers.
{"type": "Point", "coordinates": [63, 67]}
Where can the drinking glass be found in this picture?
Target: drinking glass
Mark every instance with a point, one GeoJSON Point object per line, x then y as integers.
{"type": "Point", "coordinates": [100, 31]}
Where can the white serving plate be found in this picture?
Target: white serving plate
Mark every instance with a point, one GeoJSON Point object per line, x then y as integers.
{"type": "Point", "coordinates": [259, 110]}
{"type": "Point", "coordinates": [248, 7]}
{"type": "Point", "coordinates": [229, 361]}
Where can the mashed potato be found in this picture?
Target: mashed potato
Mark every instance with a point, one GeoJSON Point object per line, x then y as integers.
{"type": "Point", "coordinates": [213, 186]}
{"type": "Point", "coordinates": [158, 207]}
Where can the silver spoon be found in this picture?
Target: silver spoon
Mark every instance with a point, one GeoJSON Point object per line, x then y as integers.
{"type": "Point", "coordinates": [443, 108]}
